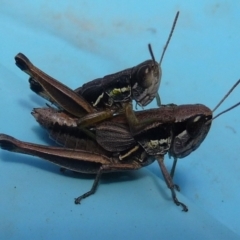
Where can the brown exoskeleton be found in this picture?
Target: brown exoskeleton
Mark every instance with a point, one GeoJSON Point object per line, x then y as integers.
{"type": "Point", "coordinates": [103, 97]}
{"type": "Point", "coordinates": [172, 129]}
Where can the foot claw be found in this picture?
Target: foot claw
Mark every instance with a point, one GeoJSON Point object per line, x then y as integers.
{"type": "Point", "coordinates": [177, 187]}
{"type": "Point", "coordinates": [184, 207]}
{"type": "Point", "coordinates": [77, 200]}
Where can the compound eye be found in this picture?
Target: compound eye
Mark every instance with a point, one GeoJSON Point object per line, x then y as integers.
{"type": "Point", "coordinates": [145, 76]}
{"type": "Point", "coordinates": [195, 124]}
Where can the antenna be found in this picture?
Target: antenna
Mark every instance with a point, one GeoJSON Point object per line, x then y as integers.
{"type": "Point", "coordinates": [169, 37]}
{"type": "Point", "coordinates": [151, 52]}
{"type": "Point", "coordinates": [226, 111]}
{"type": "Point", "coordinates": [223, 99]}
{"type": "Point", "coordinates": [166, 45]}
{"type": "Point", "coordinates": [235, 85]}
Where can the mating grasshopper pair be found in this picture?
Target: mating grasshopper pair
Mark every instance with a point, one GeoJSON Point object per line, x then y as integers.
{"type": "Point", "coordinates": [176, 130]}
{"type": "Point", "coordinates": [100, 140]}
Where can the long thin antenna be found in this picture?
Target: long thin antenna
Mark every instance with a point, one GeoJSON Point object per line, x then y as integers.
{"type": "Point", "coordinates": [234, 86]}
{"type": "Point", "coordinates": [169, 37]}
{"type": "Point", "coordinates": [151, 52]}
{"type": "Point", "coordinates": [237, 104]}
{"type": "Point", "coordinates": [228, 109]}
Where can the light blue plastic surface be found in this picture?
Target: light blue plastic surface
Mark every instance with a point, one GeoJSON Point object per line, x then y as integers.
{"type": "Point", "coordinates": [77, 41]}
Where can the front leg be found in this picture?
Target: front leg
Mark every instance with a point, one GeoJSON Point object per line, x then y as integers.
{"type": "Point", "coordinates": [134, 124]}
{"type": "Point", "coordinates": [158, 99]}
{"type": "Point", "coordinates": [170, 183]}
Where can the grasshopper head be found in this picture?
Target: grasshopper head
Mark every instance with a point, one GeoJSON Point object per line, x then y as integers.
{"type": "Point", "coordinates": [192, 125]}
{"type": "Point", "coordinates": [147, 75]}
{"type": "Point", "coordinates": [145, 82]}
{"type": "Point", "coordinates": [190, 129]}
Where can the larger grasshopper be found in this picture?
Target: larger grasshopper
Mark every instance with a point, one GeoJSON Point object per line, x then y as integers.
{"type": "Point", "coordinates": [172, 129]}
{"type": "Point", "coordinates": [103, 97]}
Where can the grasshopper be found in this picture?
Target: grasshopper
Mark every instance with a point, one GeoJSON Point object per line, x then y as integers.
{"type": "Point", "coordinates": [176, 130]}
{"type": "Point", "coordinates": [103, 97]}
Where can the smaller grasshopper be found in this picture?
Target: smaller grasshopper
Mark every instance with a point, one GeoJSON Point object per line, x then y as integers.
{"type": "Point", "coordinates": [102, 97]}
{"type": "Point", "coordinates": [176, 130]}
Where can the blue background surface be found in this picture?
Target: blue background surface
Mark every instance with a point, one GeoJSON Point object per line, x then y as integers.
{"type": "Point", "coordinates": [77, 41]}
